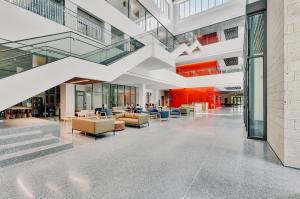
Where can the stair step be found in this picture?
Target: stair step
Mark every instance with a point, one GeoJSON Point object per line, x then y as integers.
{"type": "Point", "coordinates": [18, 146]}
{"type": "Point", "coordinates": [29, 154]}
{"type": "Point", "coordinates": [10, 131]}
{"type": "Point", "coordinates": [19, 137]}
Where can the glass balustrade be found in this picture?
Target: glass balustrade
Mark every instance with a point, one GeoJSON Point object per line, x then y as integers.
{"type": "Point", "coordinates": [22, 55]}
{"type": "Point", "coordinates": [135, 11]}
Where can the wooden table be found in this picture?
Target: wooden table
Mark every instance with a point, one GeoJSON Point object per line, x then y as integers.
{"type": "Point", "coordinates": [119, 125]}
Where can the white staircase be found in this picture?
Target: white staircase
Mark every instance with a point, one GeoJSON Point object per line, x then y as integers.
{"type": "Point", "coordinates": [23, 144]}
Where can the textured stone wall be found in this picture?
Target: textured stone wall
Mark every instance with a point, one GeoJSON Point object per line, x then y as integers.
{"type": "Point", "coordinates": [284, 80]}
{"type": "Point", "coordinates": [292, 82]}
{"type": "Point", "coordinates": [275, 76]}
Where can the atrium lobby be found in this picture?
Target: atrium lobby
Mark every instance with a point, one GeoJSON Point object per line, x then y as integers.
{"type": "Point", "coordinates": [158, 99]}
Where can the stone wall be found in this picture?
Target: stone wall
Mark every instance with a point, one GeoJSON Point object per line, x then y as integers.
{"type": "Point", "coordinates": [275, 77]}
{"type": "Point", "coordinates": [283, 80]}
{"type": "Point", "coordinates": [292, 82]}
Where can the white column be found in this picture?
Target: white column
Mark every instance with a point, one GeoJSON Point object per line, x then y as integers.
{"type": "Point", "coordinates": [142, 95]}
{"type": "Point", "coordinates": [156, 96]}
{"type": "Point", "coordinates": [67, 100]}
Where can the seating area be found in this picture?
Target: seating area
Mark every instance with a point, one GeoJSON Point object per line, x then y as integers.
{"type": "Point", "coordinates": [105, 120]}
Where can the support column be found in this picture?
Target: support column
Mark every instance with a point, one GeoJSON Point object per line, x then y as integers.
{"type": "Point", "coordinates": [156, 97]}
{"type": "Point", "coordinates": [67, 100]}
{"type": "Point", "coordinates": [142, 95]}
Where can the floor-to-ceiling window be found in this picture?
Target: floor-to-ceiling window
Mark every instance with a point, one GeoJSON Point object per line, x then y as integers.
{"type": "Point", "coordinates": [97, 95]}
{"type": "Point", "coordinates": [106, 95]}
{"type": "Point", "coordinates": [91, 96]}
{"type": "Point", "coordinates": [190, 7]}
{"type": "Point", "coordinates": [121, 96]}
{"type": "Point", "coordinates": [256, 77]}
{"type": "Point", "coordinates": [83, 97]}
{"type": "Point", "coordinates": [114, 95]}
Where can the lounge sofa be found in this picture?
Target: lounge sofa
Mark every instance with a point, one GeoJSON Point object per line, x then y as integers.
{"type": "Point", "coordinates": [175, 112]}
{"type": "Point", "coordinates": [133, 119]}
{"type": "Point", "coordinates": [93, 125]}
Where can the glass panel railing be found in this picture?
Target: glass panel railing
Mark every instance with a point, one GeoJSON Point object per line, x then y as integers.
{"type": "Point", "coordinates": [22, 55]}
{"type": "Point", "coordinates": [114, 52]}
{"type": "Point", "coordinates": [69, 17]}
{"type": "Point", "coordinates": [134, 10]}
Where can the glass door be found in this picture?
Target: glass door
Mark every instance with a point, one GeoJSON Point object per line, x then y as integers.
{"type": "Point", "coordinates": [80, 101]}
{"type": "Point", "coordinates": [256, 75]}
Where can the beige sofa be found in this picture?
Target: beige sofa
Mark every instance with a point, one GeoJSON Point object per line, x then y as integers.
{"type": "Point", "coordinates": [93, 125]}
{"type": "Point", "coordinates": [133, 119]}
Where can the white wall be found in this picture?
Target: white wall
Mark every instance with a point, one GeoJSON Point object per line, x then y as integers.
{"type": "Point", "coordinates": [67, 100]}
{"type": "Point", "coordinates": [18, 23]}
{"type": "Point", "coordinates": [221, 80]}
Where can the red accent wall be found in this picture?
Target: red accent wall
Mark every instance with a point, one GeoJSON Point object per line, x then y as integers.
{"type": "Point", "coordinates": [199, 69]}
{"type": "Point", "coordinates": [208, 38]}
{"type": "Point", "coordinates": [191, 95]}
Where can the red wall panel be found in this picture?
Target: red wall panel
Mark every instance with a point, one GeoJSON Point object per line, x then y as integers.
{"type": "Point", "coordinates": [191, 95]}
{"type": "Point", "coordinates": [199, 69]}
{"type": "Point", "coordinates": [208, 38]}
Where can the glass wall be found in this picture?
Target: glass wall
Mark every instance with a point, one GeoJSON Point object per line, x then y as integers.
{"type": "Point", "coordinates": [256, 77]}
{"type": "Point", "coordinates": [140, 15]}
{"type": "Point", "coordinates": [191, 7]}
{"type": "Point", "coordinates": [164, 6]}
{"type": "Point", "coordinates": [106, 95]}
{"type": "Point", "coordinates": [91, 96]}
{"type": "Point", "coordinates": [114, 94]}
{"type": "Point", "coordinates": [121, 96]}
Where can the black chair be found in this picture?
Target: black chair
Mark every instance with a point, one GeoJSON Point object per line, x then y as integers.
{"type": "Point", "coordinates": [97, 110]}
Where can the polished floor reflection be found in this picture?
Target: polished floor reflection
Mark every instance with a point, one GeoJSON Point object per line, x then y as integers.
{"type": "Point", "coordinates": [207, 156]}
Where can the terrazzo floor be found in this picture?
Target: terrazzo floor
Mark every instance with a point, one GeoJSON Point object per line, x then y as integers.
{"type": "Point", "coordinates": [189, 157]}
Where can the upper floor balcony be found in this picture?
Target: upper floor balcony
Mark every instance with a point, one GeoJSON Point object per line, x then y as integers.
{"type": "Point", "coordinates": [72, 16]}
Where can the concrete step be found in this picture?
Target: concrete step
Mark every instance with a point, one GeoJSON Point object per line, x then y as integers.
{"type": "Point", "coordinates": [13, 130]}
{"type": "Point", "coordinates": [24, 145]}
{"type": "Point", "coordinates": [20, 137]}
{"type": "Point", "coordinates": [29, 154]}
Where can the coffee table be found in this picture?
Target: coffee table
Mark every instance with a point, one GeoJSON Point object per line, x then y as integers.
{"type": "Point", "coordinates": [119, 125]}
